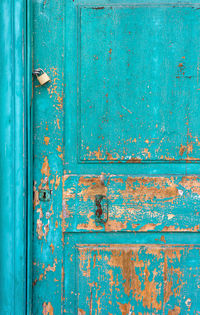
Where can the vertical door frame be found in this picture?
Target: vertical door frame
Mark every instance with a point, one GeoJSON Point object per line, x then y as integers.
{"type": "Point", "coordinates": [29, 178]}
{"type": "Point", "coordinates": [16, 157]}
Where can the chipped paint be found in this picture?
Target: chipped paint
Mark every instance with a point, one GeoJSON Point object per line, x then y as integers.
{"type": "Point", "coordinates": [46, 140]}
{"type": "Point", "coordinates": [47, 309]}
{"type": "Point", "coordinates": [40, 231]}
{"type": "Point", "coordinates": [140, 119]}
{"type": "Point", "coordinates": [95, 187]}
{"type": "Point", "coordinates": [134, 203]}
{"type": "Point", "coordinates": [43, 275]}
{"type": "Point", "coordinates": [45, 167]}
{"type": "Point", "coordinates": [147, 277]}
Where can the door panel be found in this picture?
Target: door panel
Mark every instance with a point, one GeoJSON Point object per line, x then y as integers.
{"type": "Point", "coordinates": [127, 277]}
{"type": "Point", "coordinates": [135, 64]}
{"type": "Point", "coordinates": [116, 147]}
{"type": "Point", "coordinates": [134, 203]}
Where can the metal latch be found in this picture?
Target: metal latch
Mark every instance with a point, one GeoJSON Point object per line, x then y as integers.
{"type": "Point", "coordinates": [101, 209]}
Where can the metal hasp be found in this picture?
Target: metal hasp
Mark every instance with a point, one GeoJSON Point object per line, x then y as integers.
{"type": "Point", "coordinates": [42, 76]}
{"type": "Point", "coordinates": [101, 209]}
{"type": "Point", "coordinates": [44, 194]}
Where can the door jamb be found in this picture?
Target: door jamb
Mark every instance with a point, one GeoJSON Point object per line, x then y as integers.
{"type": "Point", "coordinates": [29, 143]}
{"type": "Point", "coordinates": [16, 157]}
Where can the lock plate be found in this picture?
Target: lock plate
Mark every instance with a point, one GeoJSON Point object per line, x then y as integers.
{"type": "Point", "coordinates": [44, 194]}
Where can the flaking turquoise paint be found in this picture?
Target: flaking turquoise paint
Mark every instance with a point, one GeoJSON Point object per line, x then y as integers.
{"type": "Point", "coordinates": [48, 53]}
{"type": "Point", "coordinates": [118, 69]}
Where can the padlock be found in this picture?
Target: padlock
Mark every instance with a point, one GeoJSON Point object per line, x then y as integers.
{"type": "Point", "coordinates": [42, 76]}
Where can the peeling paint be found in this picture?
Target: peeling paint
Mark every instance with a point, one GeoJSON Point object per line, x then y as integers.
{"type": "Point", "coordinates": [47, 309]}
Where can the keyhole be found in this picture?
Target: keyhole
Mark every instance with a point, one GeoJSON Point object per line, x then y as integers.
{"type": "Point", "coordinates": [45, 195]}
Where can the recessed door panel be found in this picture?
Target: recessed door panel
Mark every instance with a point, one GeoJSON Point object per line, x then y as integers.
{"type": "Point", "coordinates": [138, 83]}
{"type": "Point", "coordinates": [130, 278]}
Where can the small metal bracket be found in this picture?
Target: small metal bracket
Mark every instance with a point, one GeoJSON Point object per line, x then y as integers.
{"type": "Point", "coordinates": [101, 209]}
{"type": "Point", "coordinates": [45, 194]}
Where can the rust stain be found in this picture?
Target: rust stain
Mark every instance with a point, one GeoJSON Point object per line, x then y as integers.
{"type": "Point", "coordinates": [46, 270]}
{"type": "Point", "coordinates": [162, 239]}
{"type": "Point", "coordinates": [183, 149]}
{"type": "Point", "coordinates": [46, 140]}
{"type": "Point", "coordinates": [52, 248]}
{"type": "Point", "coordinates": [47, 309]}
{"type": "Point", "coordinates": [188, 149]}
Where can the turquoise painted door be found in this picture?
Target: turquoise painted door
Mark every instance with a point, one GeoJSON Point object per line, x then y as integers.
{"type": "Point", "coordinates": [116, 157]}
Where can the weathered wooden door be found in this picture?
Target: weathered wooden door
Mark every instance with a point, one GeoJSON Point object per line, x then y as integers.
{"type": "Point", "coordinates": [116, 157]}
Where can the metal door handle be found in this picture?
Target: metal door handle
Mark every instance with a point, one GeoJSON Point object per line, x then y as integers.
{"type": "Point", "coordinates": [101, 209]}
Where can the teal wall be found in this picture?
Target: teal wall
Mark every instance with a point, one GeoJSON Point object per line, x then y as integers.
{"type": "Point", "coordinates": [12, 157]}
